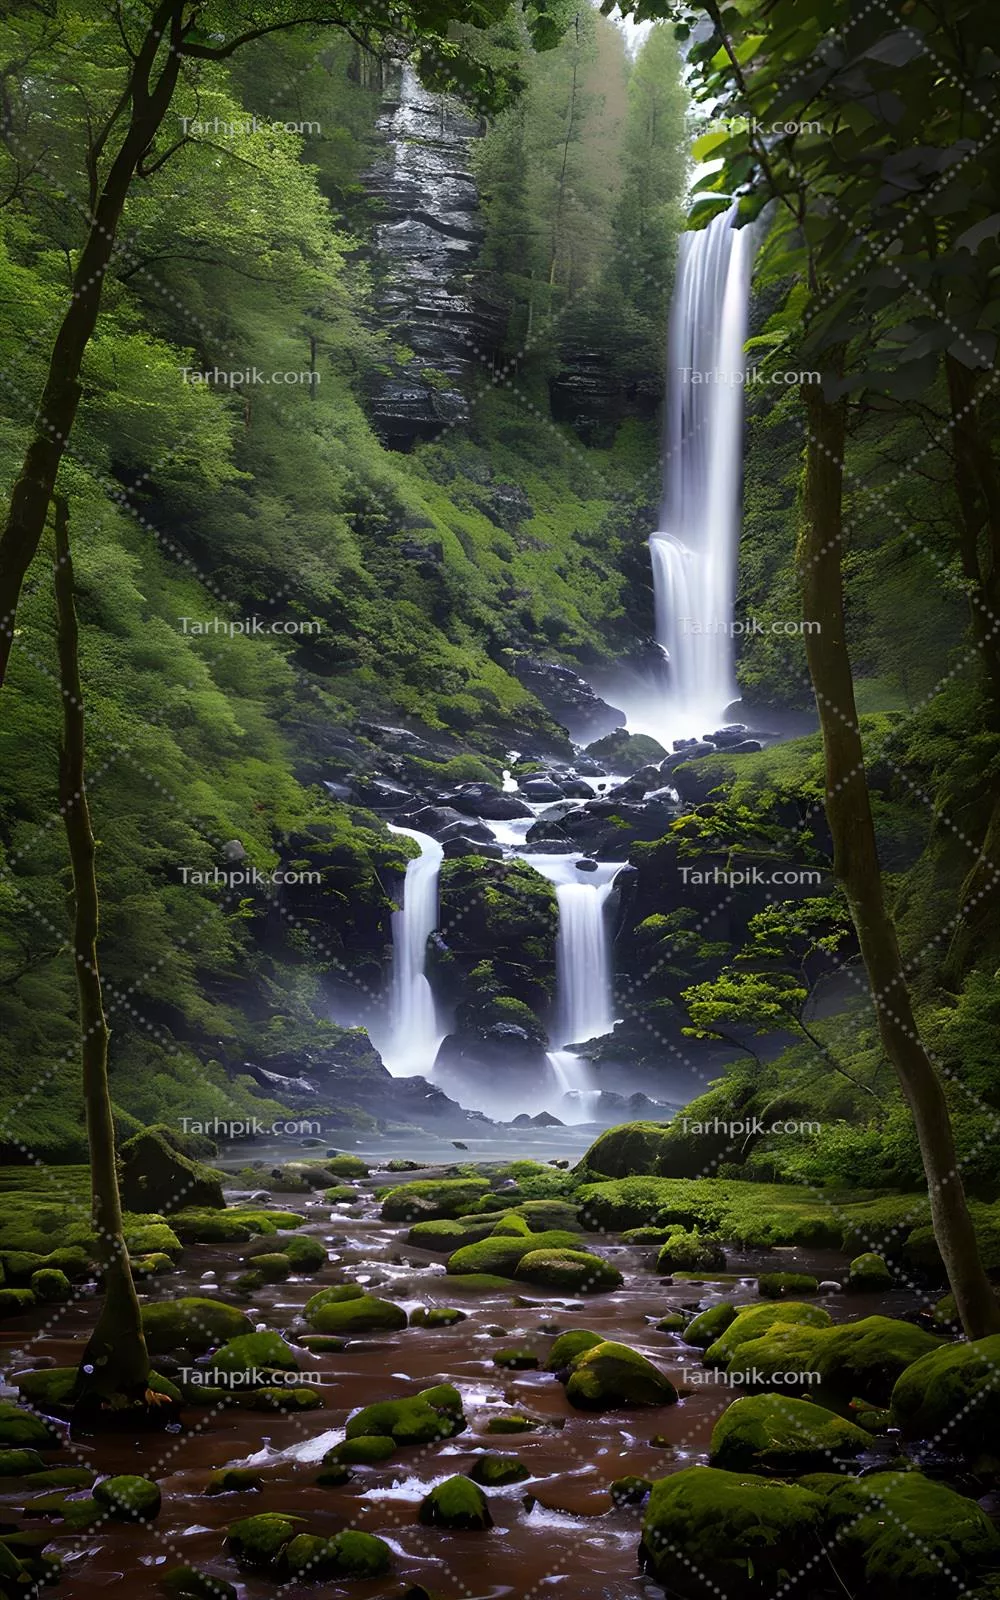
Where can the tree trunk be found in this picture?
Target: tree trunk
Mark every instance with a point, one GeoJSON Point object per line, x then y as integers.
{"type": "Point", "coordinates": [32, 493]}
{"type": "Point", "coordinates": [856, 863]}
{"type": "Point", "coordinates": [115, 1365]}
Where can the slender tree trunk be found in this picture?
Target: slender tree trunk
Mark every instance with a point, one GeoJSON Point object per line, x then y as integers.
{"type": "Point", "coordinates": [32, 493]}
{"type": "Point", "coordinates": [115, 1366]}
{"type": "Point", "coordinates": [856, 863]}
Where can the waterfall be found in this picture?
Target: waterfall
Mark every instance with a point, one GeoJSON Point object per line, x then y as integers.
{"type": "Point", "coordinates": [694, 550]}
{"type": "Point", "coordinates": [414, 1034]}
{"type": "Point", "coordinates": [584, 999]}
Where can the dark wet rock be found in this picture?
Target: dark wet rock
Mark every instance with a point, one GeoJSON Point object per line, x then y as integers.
{"type": "Point", "coordinates": [336, 791]}
{"type": "Point", "coordinates": [187, 1583]}
{"type": "Point", "coordinates": [745, 747]}
{"type": "Point", "coordinates": [538, 789]}
{"type": "Point", "coordinates": [569, 699]}
{"type": "Point", "coordinates": [691, 752]}
{"type": "Point", "coordinates": [732, 733]}
{"type": "Point", "coordinates": [434, 820]}
{"type": "Point", "coordinates": [464, 828]}
{"type": "Point", "coordinates": [156, 1177]}
{"type": "Point", "coordinates": [485, 800]}
{"type": "Point", "coordinates": [462, 845]}
{"type": "Point", "coordinates": [626, 751]}
{"type": "Point", "coordinates": [381, 794]}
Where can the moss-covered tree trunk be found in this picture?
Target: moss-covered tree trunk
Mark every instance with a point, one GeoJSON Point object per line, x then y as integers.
{"type": "Point", "coordinates": [856, 862]}
{"type": "Point", "coordinates": [115, 1365]}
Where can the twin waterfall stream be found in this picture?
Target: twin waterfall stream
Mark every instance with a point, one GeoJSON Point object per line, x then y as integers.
{"type": "Point", "coordinates": [693, 557]}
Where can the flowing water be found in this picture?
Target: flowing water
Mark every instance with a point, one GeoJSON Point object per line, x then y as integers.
{"type": "Point", "coordinates": [414, 1034]}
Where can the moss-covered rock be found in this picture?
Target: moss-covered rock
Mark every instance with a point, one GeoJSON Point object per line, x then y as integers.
{"type": "Point", "coordinates": [447, 1234]}
{"type": "Point", "coordinates": [201, 1226]}
{"type": "Point", "coordinates": [485, 1283]}
{"type": "Point", "coordinates": [334, 1476]}
{"type": "Point", "coordinates": [157, 1177]}
{"type": "Point", "coordinates": [346, 1165]}
{"type": "Point", "coordinates": [494, 1471]}
{"type": "Point", "coordinates": [575, 1342]}
{"type": "Point", "coordinates": [783, 1437]}
{"type": "Point", "coordinates": [499, 1255]}
{"type": "Point", "coordinates": [21, 1429]}
{"type": "Point", "coordinates": [129, 1498]}
{"type": "Point", "coordinates": [516, 1359]}
{"type": "Point", "coordinates": [514, 1422]}
{"type": "Point", "coordinates": [305, 1253]}
{"type": "Point", "coordinates": [710, 1325]}
{"type": "Point", "coordinates": [286, 1398]}
{"type": "Point", "coordinates": [512, 1226]}
{"type": "Point", "coordinates": [323, 1343]}
{"type": "Point", "coordinates": [346, 1308]}
{"type": "Point", "coordinates": [430, 1198]}
{"type": "Point", "coordinates": [571, 1271]}
{"type": "Point", "coordinates": [154, 1265]}
{"type": "Point", "coordinates": [50, 1285]}
{"type": "Point", "coordinates": [61, 1478]}
{"type": "Point", "coordinates": [648, 1235]}
{"type": "Point", "coordinates": [434, 1413]}
{"type": "Point", "coordinates": [18, 1463]}
{"type": "Point", "coordinates": [902, 1536]}
{"type": "Point", "coordinates": [780, 1285]}
{"type": "Point", "coordinates": [866, 1358]}
{"type": "Point", "coordinates": [951, 1394]}
{"type": "Point", "coordinates": [341, 1193]}
{"type": "Point", "coordinates": [349, 1554]}
{"type": "Point", "coordinates": [868, 1271]}
{"type": "Point", "coordinates": [735, 1534]}
{"type": "Point", "coordinates": [456, 1503]}
{"type": "Point", "coordinates": [609, 1375]}
{"type": "Point", "coordinates": [270, 1266]}
{"type": "Point", "coordinates": [629, 1491]}
{"type": "Point", "coordinates": [15, 1302]}
{"type": "Point", "coordinates": [673, 1322]}
{"type": "Point", "coordinates": [187, 1583]}
{"type": "Point", "coordinates": [751, 1322]}
{"type": "Point", "coordinates": [234, 1480]}
{"type": "Point", "coordinates": [436, 1316]}
{"type": "Point", "coordinates": [366, 1450]}
{"type": "Point", "coordinates": [191, 1323]}
{"type": "Point", "coordinates": [261, 1353]}
{"type": "Point", "coordinates": [257, 1542]}
{"type": "Point", "coordinates": [690, 1250]}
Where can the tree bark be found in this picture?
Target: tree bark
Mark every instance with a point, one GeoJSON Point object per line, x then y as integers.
{"type": "Point", "coordinates": [115, 1365]}
{"type": "Point", "coordinates": [856, 863]}
{"type": "Point", "coordinates": [32, 493]}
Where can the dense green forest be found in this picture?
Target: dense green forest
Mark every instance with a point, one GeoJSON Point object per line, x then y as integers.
{"type": "Point", "coordinates": [413, 986]}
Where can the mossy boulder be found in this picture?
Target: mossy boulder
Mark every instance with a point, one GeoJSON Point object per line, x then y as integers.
{"type": "Point", "coordinates": [432, 1414]}
{"type": "Point", "coordinates": [447, 1234]}
{"type": "Point", "coordinates": [733, 1534]}
{"type": "Point", "coordinates": [286, 1398]}
{"type": "Point", "coordinates": [868, 1271]}
{"type": "Point", "coordinates": [349, 1554]}
{"type": "Point", "coordinates": [783, 1437]}
{"type": "Point", "coordinates": [710, 1325]}
{"type": "Point", "coordinates": [901, 1536]}
{"type": "Point", "coordinates": [511, 1226]}
{"type": "Point", "coordinates": [456, 1503]}
{"type": "Point", "coordinates": [629, 1491]}
{"type": "Point", "coordinates": [50, 1285]}
{"type": "Point", "coordinates": [334, 1476]}
{"type": "Point", "coordinates": [18, 1463]}
{"type": "Point", "coordinates": [346, 1308]}
{"type": "Point", "coordinates": [500, 1254]}
{"type": "Point", "coordinates": [305, 1253]}
{"type": "Point", "coordinates": [200, 1225]}
{"type": "Point", "coordinates": [154, 1265]}
{"type": "Point", "coordinates": [514, 1422]}
{"type": "Point", "coordinates": [484, 1283]}
{"type": "Point", "coordinates": [257, 1542]}
{"type": "Point", "coordinates": [854, 1358]}
{"type": "Point", "coordinates": [629, 1149]}
{"type": "Point", "coordinates": [673, 1322]}
{"type": "Point", "coordinates": [191, 1323]}
{"type": "Point", "coordinates": [156, 1177]}
{"type": "Point", "coordinates": [129, 1498]}
{"type": "Point", "coordinates": [609, 1375]}
{"type": "Point", "coordinates": [753, 1321]}
{"type": "Point", "coordinates": [341, 1193]}
{"type": "Point", "coordinates": [366, 1450]}
{"type": "Point", "coordinates": [52, 1389]}
{"type": "Point", "coordinates": [346, 1165]}
{"type": "Point", "coordinates": [494, 1471]}
{"type": "Point", "coordinates": [779, 1285]}
{"type": "Point", "coordinates": [429, 1198]}
{"type": "Point", "coordinates": [61, 1478]}
{"type": "Point", "coordinates": [436, 1316]}
{"type": "Point", "coordinates": [568, 1346]}
{"type": "Point", "coordinates": [151, 1238]}
{"type": "Point", "coordinates": [951, 1394]}
{"type": "Point", "coordinates": [571, 1271]}
{"type": "Point", "coordinates": [21, 1429]}
{"type": "Point", "coordinates": [270, 1266]}
{"type": "Point", "coordinates": [15, 1302]}
{"type": "Point", "coordinates": [690, 1250]}
{"type": "Point", "coordinates": [234, 1480]}
{"type": "Point", "coordinates": [262, 1353]}
{"type": "Point", "coordinates": [187, 1583]}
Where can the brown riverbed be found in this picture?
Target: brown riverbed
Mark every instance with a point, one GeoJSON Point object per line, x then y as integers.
{"type": "Point", "coordinates": [555, 1534]}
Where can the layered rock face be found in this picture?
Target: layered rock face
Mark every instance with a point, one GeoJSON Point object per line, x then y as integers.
{"type": "Point", "coordinates": [426, 240]}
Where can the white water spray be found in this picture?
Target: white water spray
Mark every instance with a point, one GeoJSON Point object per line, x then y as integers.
{"type": "Point", "coordinates": [414, 1033]}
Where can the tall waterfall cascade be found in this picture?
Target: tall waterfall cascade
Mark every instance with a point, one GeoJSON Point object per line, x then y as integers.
{"type": "Point", "coordinates": [414, 1033]}
{"type": "Point", "coordinates": [694, 550]}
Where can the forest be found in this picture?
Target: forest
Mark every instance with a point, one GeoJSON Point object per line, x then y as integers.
{"type": "Point", "coordinates": [500, 802]}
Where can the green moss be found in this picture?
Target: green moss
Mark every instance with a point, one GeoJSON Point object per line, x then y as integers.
{"type": "Point", "coordinates": [323, 1344]}
{"type": "Point", "coordinates": [629, 1491]}
{"type": "Point", "coordinates": [16, 1463]}
{"type": "Point", "coordinates": [129, 1498]}
{"type": "Point", "coordinates": [155, 1176]}
{"type": "Point", "coordinates": [855, 1358]}
{"type": "Point", "coordinates": [270, 1267]}
{"type": "Point", "coordinates": [868, 1271]}
{"type": "Point", "coordinates": [738, 1534]}
{"type": "Point", "coordinates": [191, 1323]}
{"type": "Point", "coordinates": [951, 1394]}
{"type": "Point", "coordinates": [609, 1375]}
{"type": "Point", "coordinates": [22, 1429]}
{"type": "Point", "coordinates": [436, 1316]}
{"type": "Point", "coordinates": [511, 1226]}
{"type": "Point", "coordinates": [495, 1471]}
{"type": "Point", "coordinates": [432, 1414]}
{"type": "Point", "coordinates": [346, 1308]}
{"type": "Point", "coordinates": [902, 1535]}
{"type": "Point", "coordinates": [49, 1284]}
{"type": "Point", "coordinates": [366, 1450]}
{"type": "Point", "coordinates": [690, 1251]}
{"type": "Point", "coordinates": [145, 1238]}
{"type": "Point", "coordinates": [780, 1436]}
{"type": "Point", "coordinates": [629, 1149]}
{"type": "Point", "coordinates": [449, 1234]}
{"type": "Point", "coordinates": [776, 1285]}
{"type": "Point", "coordinates": [484, 1283]}
{"type": "Point", "coordinates": [284, 1399]}
{"type": "Point", "coordinates": [15, 1302]}
{"type": "Point", "coordinates": [514, 1422]}
{"type": "Point", "coordinates": [341, 1191]}
{"type": "Point", "coordinates": [710, 1325]}
{"type": "Point", "coordinates": [230, 1227]}
{"type": "Point", "coordinates": [305, 1253]}
{"type": "Point", "coordinates": [346, 1165]}
{"type": "Point", "coordinates": [234, 1480]}
{"type": "Point", "coordinates": [673, 1322]}
{"type": "Point", "coordinates": [456, 1503]}
{"type": "Point", "coordinates": [499, 1255]}
{"type": "Point", "coordinates": [350, 1554]}
{"type": "Point", "coordinates": [570, 1271]}
{"type": "Point", "coordinates": [752, 1321]}
{"type": "Point", "coordinates": [266, 1352]}
{"type": "Point", "coordinates": [430, 1199]}
{"type": "Point", "coordinates": [334, 1476]}
{"type": "Point", "coordinates": [60, 1478]}
{"type": "Point", "coordinates": [568, 1346]}
{"type": "Point", "coordinates": [257, 1542]}
{"type": "Point", "coordinates": [187, 1583]}
{"type": "Point", "coordinates": [155, 1265]}
{"type": "Point", "coordinates": [747, 1214]}
{"type": "Point", "coordinates": [648, 1235]}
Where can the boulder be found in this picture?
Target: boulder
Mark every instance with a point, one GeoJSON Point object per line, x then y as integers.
{"type": "Point", "coordinates": [709, 1325]}
{"type": "Point", "coordinates": [191, 1323]}
{"type": "Point", "coordinates": [780, 1436]}
{"type": "Point", "coordinates": [610, 1375]}
{"type": "Point", "coordinates": [21, 1429]}
{"type": "Point", "coordinates": [156, 1177]}
{"type": "Point", "coordinates": [346, 1308]}
{"type": "Point", "coordinates": [776, 1285]}
{"type": "Point", "coordinates": [569, 1346]}
{"type": "Point", "coordinates": [485, 800]}
{"type": "Point", "coordinates": [366, 1450]}
{"type": "Point", "coordinates": [456, 1503]}
{"type": "Point", "coordinates": [571, 1271]}
{"type": "Point", "coordinates": [496, 1471]}
{"type": "Point", "coordinates": [868, 1271]}
{"type": "Point", "coordinates": [432, 1414]}
{"type": "Point", "coordinates": [187, 1583]}
{"type": "Point", "coordinates": [429, 1199]}
{"type": "Point", "coordinates": [690, 1251]}
{"type": "Point", "coordinates": [951, 1395]}
{"type": "Point", "coordinates": [350, 1554]}
{"type": "Point", "coordinates": [128, 1498]}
